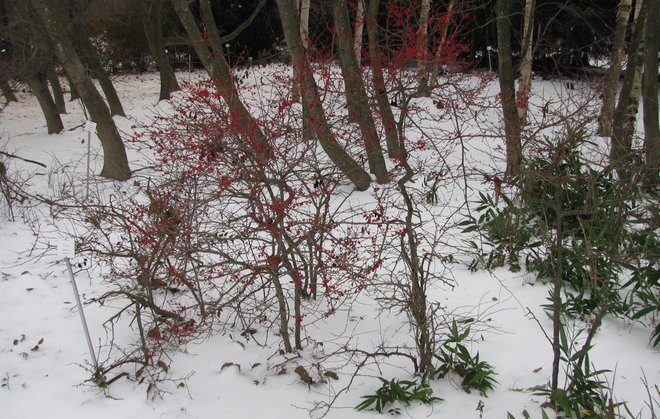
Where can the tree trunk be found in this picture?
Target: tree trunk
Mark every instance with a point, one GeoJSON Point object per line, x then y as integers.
{"type": "Point", "coordinates": [93, 62]}
{"type": "Point", "coordinates": [359, 31]}
{"type": "Point", "coordinates": [151, 11]}
{"type": "Point", "coordinates": [37, 83]}
{"type": "Point", "coordinates": [621, 148]}
{"type": "Point", "coordinates": [612, 78]}
{"type": "Point", "coordinates": [630, 120]}
{"type": "Point", "coordinates": [650, 97]}
{"type": "Point", "coordinates": [423, 49]}
{"type": "Point", "coordinates": [211, 54]}
{"type": "Point", "coordinates": [56, 87]}
{"type": "Point", "coordinates": [74, 95]}
{"type": "Point", "coordinates": [507, 88]}
{"type": "Point", "coordinates": [7, 91]}
{"type": "Point", "coordinates": [395, 147]}
{"type": "Point", "coordinates": [355, 92]}
{"type": "Point", "coordinates": [311, 100]}
{"type": "Point", "coordinates": [525, 80]}
{"type": "Point", "coordinates": [304, 22]}
{"type": "Point", "coordinates": [435, 68]}
{"type": "Point", "coordinates": [115, 163]}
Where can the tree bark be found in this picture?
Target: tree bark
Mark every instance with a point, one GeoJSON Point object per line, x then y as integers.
{"type": "Point", "coordinates": [56, 87]}
{"type": "Point", "coordinates": [355, 92]}
{"type": "Point", "coordinates": [395, 147]}
{"type": "Point", "coordinates": [304, 22]}
{"type": "Point", "coordinates": [630, 120]}
{"type": "Point", "coordinates": [39, 87]}
{"type": "Point", "coordinates": [621, 148]}
{"type": "Point", "coordinates": [359, 31]}
{"type": "Point", "coordinates": [115, 162]}
{"type": "Point", "coordinates": [211, 54]}
{"type": "Point", "coordinates": [423, 49]}
{"type": "Point", "coordinates": [7, 91]}
{"type": "Point", "coordinates": [650, 97]}
{"type": "Point", "coordinates": [507, 89]}
{"type": "Point", "coordinates": [435, 68]}
{"type": "Point", "coordinates": [612, 78]}
{"type": "Point", "coordinates": [74, 95]}
{"type": "Point", "coordinates": [311, 100]}
{"type": "Point", "coordinates": [93, 62]}
{"type": "Point", "coordinates": [525, 80]}
{"type": "Point", "coordinates": [151, 11]}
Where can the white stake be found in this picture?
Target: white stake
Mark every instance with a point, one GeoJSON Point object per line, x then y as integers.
{"type": "Point", "coordinates": [66, 250]}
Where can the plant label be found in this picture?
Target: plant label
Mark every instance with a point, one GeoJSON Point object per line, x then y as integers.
{"type": "Point", "coordinates": [66, 248]}
{"type": "Point", "coordinates": [90, 126]}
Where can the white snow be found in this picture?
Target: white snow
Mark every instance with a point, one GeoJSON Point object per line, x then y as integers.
{"type": "Point", "coordinates": [50, 379]}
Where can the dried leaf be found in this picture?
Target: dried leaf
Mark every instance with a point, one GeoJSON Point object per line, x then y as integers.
{"type": "Point", "coordinates": [230, 364]}
{"type": "Point", "coordinates": [40, 341]}
{"type": "Point", "coordinates": [537, 369]}
{"type": "Point", "coordinates": [162, 365]}
{"type": "Point", "coordinates": [35, 348]}
{"type": "Point", "coordinates": [303, 374]}
{"type": "Point", "coordinates": [331, 374]}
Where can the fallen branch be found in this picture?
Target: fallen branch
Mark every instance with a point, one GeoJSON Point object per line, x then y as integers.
{"type": "Point", "coordinates": [21, 158]}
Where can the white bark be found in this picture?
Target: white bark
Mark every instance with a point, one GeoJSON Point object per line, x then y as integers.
{"type": "Point", "coordinates": [525, 80]}
{"type": "Point", "coordinates": [359, 29]}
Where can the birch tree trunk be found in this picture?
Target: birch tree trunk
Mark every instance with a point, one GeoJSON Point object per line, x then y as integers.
{"type": "Point", "coordinates": [311, 99]}
{"type": "Point", "coordinates": [356, 95]}
{"type": "Point", "coordinates": [507, 88]}
{"type": "Point", "coordinates": [630, 120]}
{"type": "Point", "coordinates": [304, 22]}
{"type": "Point", "coordinates": [525, 80]}
{"type": "Point", "coordinates": [621, 147]}
{"type": "Point", "coordinates": [423, 49]}
{"type": "Point", "coordinates": [612, 78]}
{"type": "Point", "coordinates": [650, 97]}
{"type": "Point", "coordinates": [359, 30]}
{"type": "Point", "coordinates": [115, 162]}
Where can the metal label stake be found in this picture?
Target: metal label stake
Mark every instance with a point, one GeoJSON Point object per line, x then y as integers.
{"type": "Point", "coordinates": [66, 250]}
{"type": "Point", "coordinates": [90, 127]}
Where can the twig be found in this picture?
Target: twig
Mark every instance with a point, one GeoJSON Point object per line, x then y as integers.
{"type": "Point", "coordinates": [21, 158]}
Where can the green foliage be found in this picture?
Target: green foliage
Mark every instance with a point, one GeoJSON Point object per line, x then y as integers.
{"type": "Point", "coordinates": [454, 356]}
{"type": "Point", "coordinates": [609, 232]}
{"type": "Point", "coordinates": [507, 232]}
{"type": "Point", "coordinates": [402, 391]}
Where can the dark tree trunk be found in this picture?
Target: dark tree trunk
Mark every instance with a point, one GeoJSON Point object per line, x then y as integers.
{"type": "Point", "coordinates": [115, 162]}
{"type": "Point", "coordinates": [56, 87]}
{"type": "Point", "coordinates": [212, 56]}
{"type": "Point", "coordinates": [507, 88]}
{"type": "Point", "coordinates": [153, 29]}
{"type": "Point", "coordinates": [72, 88]}
{"type": "Point", "coordinates": [39, 87]}
{"type": "Point", "coordinates": [93, 62]}
{"type": "Point", "coordinates": [355, 92]}
{"type": "Point", "coordinates": [7, 91]}
{"type": "Point", "coordinates": [650, 96]}
{"type": "Point", "coordinates": [311, 99]}
{"type": "Point", "coordinates": [395, 147]}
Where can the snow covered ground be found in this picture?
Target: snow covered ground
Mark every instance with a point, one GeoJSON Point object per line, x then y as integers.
{"type": "Point", "coordinates": [44, 362]}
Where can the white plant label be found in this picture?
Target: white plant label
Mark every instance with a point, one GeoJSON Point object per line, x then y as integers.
{"type": "Point", "coordinates": [90, 126]}
{"type": "Point", "coordinates": [66, 248]}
